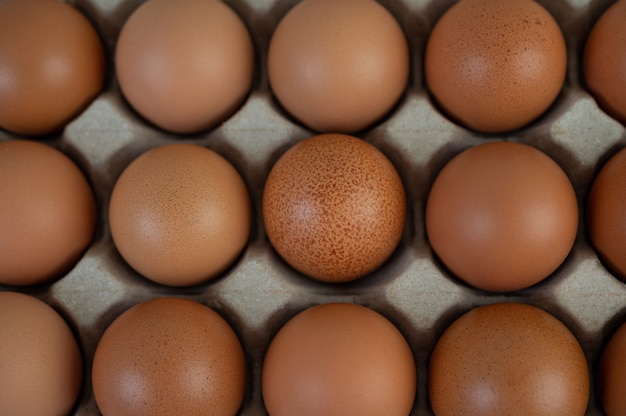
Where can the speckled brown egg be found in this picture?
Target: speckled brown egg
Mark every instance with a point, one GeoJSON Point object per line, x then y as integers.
{"type": "Point", "coordinates": [495, 65]}
{"type": "Point", "coordinates": [170, 357]}
{"type": "Point", "coordinates": [180, 214]}
{"type": "Point", "coordinates": [338, 66]}
{"type": "Point", "coordinates": [604, 61]}
{"type": "Point", "coordinates": [606, 214]}
{"type": "Point", "coordinates": [185, 65]}
{"type": "Point", "coordinates": [502, 216]}
{"type": "Point", "coordinates": [334, 207]}
{"type": "Point", "coordinates": [47, 213]}
{"type": "Point", "coordinates": [41, 367]}
{"type": "Point", "coordinates": [52, 65]}
{"type": "Point", "coordinates": [339, 359]}
{"type": "Point", "coordinates": [508, 359]}
{"type": "Point", "coordinates": [612, 374]}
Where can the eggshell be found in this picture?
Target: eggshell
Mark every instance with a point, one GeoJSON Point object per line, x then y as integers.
{"type": "Point", "coordinates": [339, 359]}
{"type": "Point", "coordinates": [334, 207]}
{"type": "Point", "coordinates": [180, 214]}
{"type": "Point", "coordinates": [338, 66]}
{"type": "Point", "coordinates": [51, 65]}
{"type": "Point", "coordinates": [185, 65]}
{"type": "Point", "coordinates": [604, 61]}
{"type": "Point", "coordinates": [41, 368]}
{"type": "Point", "coordinates": [508, 359]}
{"type": "Point", "coordinates": [612, 374]}
{"type": "Point", "coordinates": [495, 65]}
{"type": "Point", "coordinates": [169, 356]}
{"type": "Point", "coordinates": [47, 213]}
{"type": "Point", "coordinates": [502, 216]}
{"type": "Point", "coordinates": [606, 214]}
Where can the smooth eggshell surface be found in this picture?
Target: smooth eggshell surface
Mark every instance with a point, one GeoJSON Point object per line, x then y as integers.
{"type": "Point", "coordinates": [502, 216]}
{"type": "Point", "coordinates": [52, 65]}
{"type": "Point", "coordinates": [185, 65]}
{"type": "Point", "coordinates": [508, 359]}
{"type": "Point", "coordinates": [495, 65]}
{"type": "Point", "coordinates": [41, 368]}
{"type": "Point", "coordinates": [334, 207]}
{"type": "Point", "coordinates": [180, 214]}
{"type": "Point", "coordinates": [339, 359]}
{"type": "Point", "coordinates": [338, 66]}
{"type": "Point", "coordinates": [169, 356]}
{"type": "Point", "coordinates": [47, 213]}
{"type": "Point", "coordinates": [612, 374]}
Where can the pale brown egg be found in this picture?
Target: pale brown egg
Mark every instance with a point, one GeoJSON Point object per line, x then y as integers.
{"type": "Point", "coordinates": [338, 66]}
{"type": "Point", "coordinates": [508, 359]}
{"type": "Point", "coordinates": [52, 65]}
{"type": "Point", "coordinates": [169, 356]}
{"type": "Point", "coordinates": [180, 214]}
{"type": "Point", "coordinates": [606, 209]}
{"type": "Point", "coordinates": [185, 65]}
{"type": "Point", "coordinates": [339, 359]}
{"type": "Point", "coordinates": [334, 207]}
{"type": "Point", "coordinates": [612, 374]}
{"type": "Point", "coordinates": [41, 367]}
{"type": "Point", "coordinates": [502, 216]}
{"type": "Point", "coordinates": [495, 65]}
{"type": "Point", "coordinates": [47, 213]}
{"type": "Point", "coordinates": [604, 61]}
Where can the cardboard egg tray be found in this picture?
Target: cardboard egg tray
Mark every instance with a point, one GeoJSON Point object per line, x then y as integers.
{"type": "Point", "coordinates": [260, 292]}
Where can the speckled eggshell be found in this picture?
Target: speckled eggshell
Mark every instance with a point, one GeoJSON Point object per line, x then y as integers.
{"type": "Point", "coordinates": [41, 367]}
{"type": "Point", "coordinates": [604, 61]}
{"type": "Point", "coordinates": [169, 357]}
{"type": "Point", "coordinates": [339, 359]}
{"type": "Point", "coordinates": [612, 374]}
{"type": "Point", "coordinates": [508, 359]}
{"type": "Point", "coordinates": [495, 65]}
{"type": "Point", "coordinates": [52, 65]}
{"type": "Point", "coordinates": [180, 214]}
{"type": "Point", "coordinates": [502, 216]}
{"type": "Point", "coordinates": [334, 207]}
{"type": "Point", "coordinates": [47, 213]}
{"type": "Point", "coordinates": [606, 214]}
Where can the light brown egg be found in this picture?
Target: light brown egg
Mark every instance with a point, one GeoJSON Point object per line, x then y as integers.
{"type": "Point", "coordinates": [606, 214]}
{"type": "Point", "coordinates": [180, 214]}
{"type": "Point", "coordinates": [41, 367]}
{"type": "Point", "coordinates": [508, 359]}
{"type": "Point", "coordinates": [185, 65]}
{"type": "Point", "coordinates": [338, 66]}
{"type": "Point", "coordinates": [502, 216]}
{"type": "Point", "coordinates": [339, 359]}
{"type": "Point", "coordinates": [604, 61]}
{"type": "Point", "coordinates": [334, 207]}
{"type": "Point", "coordinates": [612, 374]}
{"type": "Point", "coordinates": [495, 65]}
{"type": "Point", "coordinates": [169, 357]}
{"type": "Point", "coordinates": [47, 213]}
{"type": "Point", "coordinates": [51, 65]}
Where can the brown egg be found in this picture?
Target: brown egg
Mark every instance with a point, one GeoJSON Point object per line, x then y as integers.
{"type": "Point", "coordinates": [334, 207]}
{"type": "Point", "coordinates": [41, 366]}
{"type": "Point", "coordinates": [185, 65]}
{"type": "Point", "coordinates": [604, 61]}
{"type": "Point", "coordinates": [338, 66]}
{"type": "Point", "coordinates": [51, 65]}
{"type": "Point", "coordinates": [606, 209]}
{"type": "Point", "coordinates": [508, 359]}
{"type": "Point", "coordinates": [339, 359]}
{"type": "Point", "coordinates": [495, 65]}
{"type": "Point", "coordinates": [169, 356]}
{"type": "Point", "coordinates": [180, 214]}
{"type": "Point", "coordinates": [47, 213]}
{"type": "Point", "coordinates": [502, 216]}
{"type": "Point", "coordinates": [612, 374]}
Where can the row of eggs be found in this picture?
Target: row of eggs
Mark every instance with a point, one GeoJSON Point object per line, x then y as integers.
{"type": "Point", "coordinates": [336, 67]}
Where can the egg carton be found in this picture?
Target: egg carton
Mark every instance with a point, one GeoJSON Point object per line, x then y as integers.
{"type": "Point", "coordinates": [260, 292]}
